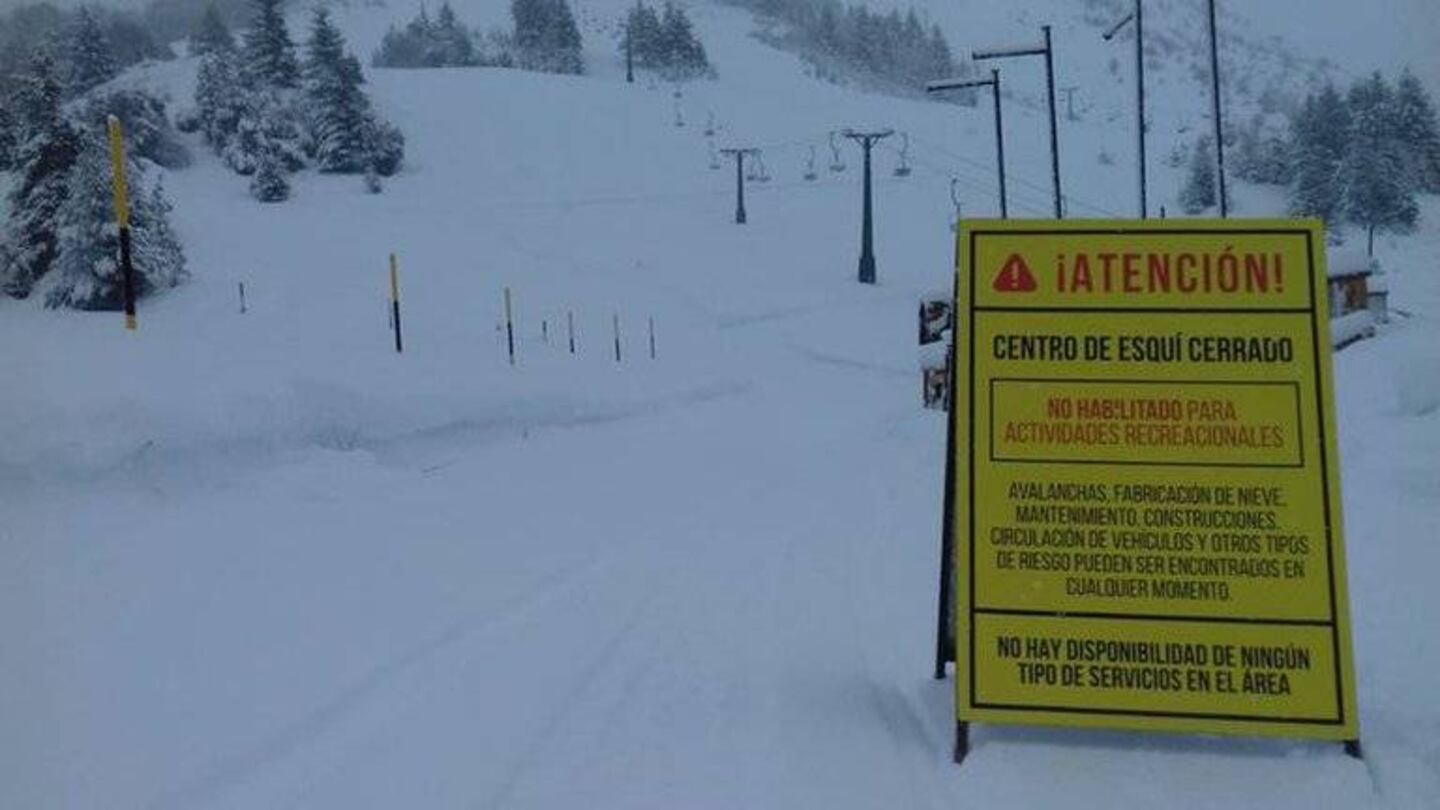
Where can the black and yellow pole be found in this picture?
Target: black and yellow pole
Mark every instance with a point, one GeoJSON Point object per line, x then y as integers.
{"type": "Point", "coordinates": [122, 219]}
{"type": "Point", "coordinates": [395, 302]}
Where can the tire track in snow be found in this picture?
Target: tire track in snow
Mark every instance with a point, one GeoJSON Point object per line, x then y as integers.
{"type": "Point", "coordinates": [312, 728]}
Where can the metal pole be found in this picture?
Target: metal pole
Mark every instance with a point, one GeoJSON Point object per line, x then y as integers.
{"type": "Point", "coordinates": [867, 141]}
{"type": "Point", "coordinates": [999, 143]}
{"type": "Point", "coordinates": [867, 237]}
{"type": "Point", "coordinates": [395, 302]}
{"type": "Point", "coordinates": [1140, 100]}
{"type": "Point", "coordinates": [1054, 124]}
{"type": "Point", "coordinates": [739, 155]}
{"type": "Point", "coordinates": [122, 219]}
{"type": "Point", "coordinates": [1219, 124]}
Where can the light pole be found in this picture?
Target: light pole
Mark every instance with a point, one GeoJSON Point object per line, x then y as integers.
{"type": "Point", "coordinates": [739, 155]}
{"type": "Point", "coordinates": [1219, 125]}
{"type": "Point", "coordinates": [1048, 51]}
{"type": "Point", "coordinates": [1138, 16]}
{"type": "Point", "coordinates": [994, 84]}
{"type": "Point", "coordinates": [867, 141]}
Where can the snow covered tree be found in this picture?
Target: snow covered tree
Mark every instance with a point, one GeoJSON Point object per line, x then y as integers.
{"type": "Point", "coordinates": [269, 184]}
{"type": "Point", "coordinates": [1320, 133]}
{"type": "Point", "coordinates": [443, 42]}
{"type": "Point", "coordinates": [1262, 152]}
{"type": "Point", "coordinates": [148, 133]}
{"type": "Point", "coordinates": [46, 147]}
{"type": "Point", "coordinates": [269, 53]}
{"type": "Point", "coordinates": [211, 34]}
{"type": "Point", "coordinates": [219, 97]}
{"type": "Point", "coordinates": [384, 146]}
{"type": "Point", "coordinates": [453, 44]}
{"type": "Point", "coordinates": [337, 107]}
{"type": "Point", "coordinates": [87, 271]}
{"type": "Point", "coordinates": [265, 129]}
{"type": "Point", "coordinates": [546, 36]}
{"type": "Point", "coordinates": [683, 55]}
{"type": "Point", "coordinates": [1376, 170]}
{"type": "Point", "coordinates": [1198, 193]}
{"type": "Point", "coordinates": [89, 58]}
{"type": "Point", "coordinates": [1418, 130]}
{"type": "Point", "coordinates": [7, 135]}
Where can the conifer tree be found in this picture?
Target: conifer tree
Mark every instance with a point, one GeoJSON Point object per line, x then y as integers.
{"type": "Point", "coordinates": [89, 58]}
{"type": "Point", "coordinates": [1319, 136]}
{"type": "Point", "coordinates": [269, 53]}
{"type": "Point", "coordinates": [46, 147]}
{"type": "Point", "coordinates": [546, 36]}
{"type": "Point", "coordinates": [456, 48]}
{"type": "Point", "coordinates": [87, 272]}
{"type": "Point", "coordinates": [1418, 129]}
{"type": "Point", "coordinates": [210, 34]}
{"type": "Point", "coordinates": [337, 107]}
{"type": "Point", "coordinates": [219, 97]}
{"type": "Point", "coordinates": [7, 135]}
{"type": "Point", "coordinates": [269, 184]}
{"type": "Point", "coordinates": [1199, 191]}
{"type": "Point", "coordinates": [1376, 170]}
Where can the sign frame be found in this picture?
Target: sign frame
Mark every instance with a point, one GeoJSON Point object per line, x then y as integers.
{"type": "Point", "coordinates": [968, 441]}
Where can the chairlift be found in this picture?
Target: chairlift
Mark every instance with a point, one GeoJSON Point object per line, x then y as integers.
{"type": "Point", "coordinates": [836, 164]}
{"type": "Point", "coordinates": [752, 169]}
{"type": "Point", "coordinates": [714, 158]}
{"type": "Point", "coordinates": [679, 116]}
{"type": "Point", "coordinates": [676, 92]}
{"type": "Point", "coordinates": [763, 174]}
{"type": "Point", "coordinates": [810, 166]}
{"type": "Point", "coordinates": [710, 124]}
{"type": "Point", "coordinates": [903, 170]}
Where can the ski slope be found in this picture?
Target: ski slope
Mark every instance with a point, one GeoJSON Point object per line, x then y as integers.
{"type": "Point", "coordinates": [261, 561]}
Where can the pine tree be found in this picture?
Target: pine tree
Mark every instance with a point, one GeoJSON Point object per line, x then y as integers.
{"type": "Point", "coordinates": [1418, 129]}
{"type": "Point", "coordinates": [269, 53]}
{"type": "Point", "coordinates": [87, 272]}
{"type": "Point", "coordinates": [455, 46]}
{"type": "Point", "coordinates": [1199, 191]}
{"type": "Point", "coordinates": [7, 135]}
{"type": "Point", "coordinates": [219, 97]}
{"type": "Point", "coordinates": [340, 115]}
{"type": "Point", "coordinates": [46, 148]}
{"type": "Point", "coordinates": [90, 60]}
{"type": "Point", "coordinates": [211, 34]}
{"type": "Point", "coordinates": [265, 130]}
{"type": "Point", "coordinates": [1319, 136]}
{"type": "Point", "coordinates": [269, 184]}
{"type": "Point", "coordinates": [682, 54]}
{"type": "Point", "coordinates": [1376, 171]}
{"type": "Point", "coordinates": [546, 36]}
{"type": "Point", "coordinates": [646, 46]}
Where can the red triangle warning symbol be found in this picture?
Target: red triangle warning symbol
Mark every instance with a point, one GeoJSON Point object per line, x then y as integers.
{"type": "Point", "coordinates": [1015, 276]}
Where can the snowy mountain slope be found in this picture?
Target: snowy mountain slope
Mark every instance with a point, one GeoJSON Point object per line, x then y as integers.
{"type": "Point", "coordinates": [261, 561]}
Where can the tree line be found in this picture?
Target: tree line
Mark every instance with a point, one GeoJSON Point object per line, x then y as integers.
{"type": "Point", "coordinates": [268, 113]}
{"type": "Point", "coordinates": [892, 52]}
{"type": "Point", "coordinates": [664, 42]}
{"type": "Point", "coordinates": [1357, 158]}
{"type": "Point", "coordinates": [59, 240]}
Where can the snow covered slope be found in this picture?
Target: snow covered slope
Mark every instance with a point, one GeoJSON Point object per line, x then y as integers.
{"type": "Point", "coordinates": [259, 560]}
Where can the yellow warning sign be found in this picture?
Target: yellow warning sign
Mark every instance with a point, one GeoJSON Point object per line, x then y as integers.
{"type": "Point", "coordinates": [1147, 519]}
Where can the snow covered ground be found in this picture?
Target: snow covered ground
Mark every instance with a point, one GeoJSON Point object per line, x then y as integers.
{"type": "Point", "coordinates": [261, 561]}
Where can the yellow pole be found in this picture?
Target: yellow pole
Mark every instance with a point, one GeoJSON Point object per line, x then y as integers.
{"type": "Point", "coordinates": [122, 218]}
{"type": "Point", "coordinates": [394, 278]}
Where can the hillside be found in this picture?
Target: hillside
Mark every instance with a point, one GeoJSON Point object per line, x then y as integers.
{"type": "Point", "coordinates": [260, 560]}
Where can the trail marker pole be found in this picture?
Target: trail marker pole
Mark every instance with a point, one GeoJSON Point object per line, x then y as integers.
{"type": "Point", "coordinates": [615, 324]}
{"type": "Point", "coordinates": [739, 155]}
{"type": "Point", "coordinates": [122, 219]}
{"type": "Point", "coordinates": [509, 327]}
{"type": "Point", "coordinates": [652, 338]}
{"type": "Point", "coordinates": [242, 298]}
{"type": "Point", "coordinates": [994, 84]}
{"type": "Point", "coordinates": [867, 141]}
{"type": "Point", "coordinates": [570, 325]}
{"type": "Point", "coordinates": [395, 303]}
{"type": "Point", "coordinates": [1046, 50]}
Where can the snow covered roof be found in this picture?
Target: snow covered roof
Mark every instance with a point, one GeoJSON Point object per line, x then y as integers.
{"type": "Point", "coordinates": [1349, 260]}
